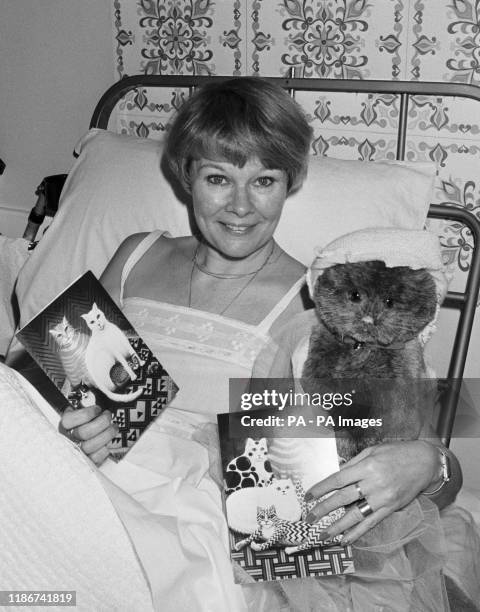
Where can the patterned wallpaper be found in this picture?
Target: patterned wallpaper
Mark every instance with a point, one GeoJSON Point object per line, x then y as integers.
{"type": "Point", "coordinates": [420, 40]}
{"type": "Point", "coordinates": [382, 39]}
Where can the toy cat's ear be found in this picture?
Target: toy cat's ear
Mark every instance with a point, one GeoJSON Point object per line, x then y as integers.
{"type": "Point", "coordinates": [64, 320]}
{"type": "Point", "coordinates": [85, 317]}
{"type": "Point", "coordinates": [262, 441]}
{"type": "Point", "coordinates": [53, 332]}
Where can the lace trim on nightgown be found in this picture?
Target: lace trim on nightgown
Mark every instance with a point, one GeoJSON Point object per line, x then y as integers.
{"type": "Point", "coordinates": [196, 331]}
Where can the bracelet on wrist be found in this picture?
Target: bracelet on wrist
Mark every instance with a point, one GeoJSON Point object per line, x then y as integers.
{"type": "Point", "coordinates": [445, 473]}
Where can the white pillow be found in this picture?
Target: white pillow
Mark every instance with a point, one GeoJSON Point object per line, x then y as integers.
{"type": "Point", "coordinates": [115, 188]}
{"type": "Point", "coordinates": [341, 196]}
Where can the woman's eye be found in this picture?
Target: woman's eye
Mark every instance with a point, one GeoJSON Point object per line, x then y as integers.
{"type": "Point", "coordinates": [389, 302]}
{"type": "Point", "coordinates": [265, 181]}
{"type": "Point", "coordinates": [216, 179]}
{"type": "Point", "coordinates": [355, 296]}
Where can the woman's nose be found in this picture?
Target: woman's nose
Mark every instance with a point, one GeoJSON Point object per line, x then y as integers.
{"type": "Point", "coordinates": [240, 201]}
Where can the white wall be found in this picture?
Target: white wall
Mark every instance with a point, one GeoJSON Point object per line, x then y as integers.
{"type": "Point", "coordinates": [56, 61]}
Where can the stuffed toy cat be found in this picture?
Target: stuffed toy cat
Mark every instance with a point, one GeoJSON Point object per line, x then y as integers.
{"type": "Point", "coordinates": [376, 295]}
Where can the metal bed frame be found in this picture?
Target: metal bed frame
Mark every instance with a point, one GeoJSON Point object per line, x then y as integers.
{"type": "Point", "coordinates": [464, 301]}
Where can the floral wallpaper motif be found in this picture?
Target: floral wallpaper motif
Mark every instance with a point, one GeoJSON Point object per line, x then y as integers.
{"type": "Point", "coordinates": [175, 35]}
{"type": "Point", "coordinates": [325, 39]}
{"type": "Point", "coordinates": [466, 31]}
{"type": "Point", "coordinates": [376, 39]}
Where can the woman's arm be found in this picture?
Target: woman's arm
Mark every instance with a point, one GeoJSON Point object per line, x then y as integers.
{"type": "Point", "coordinates": [389, 475]}
{"type": "Point", "coordinates": [111, 276]}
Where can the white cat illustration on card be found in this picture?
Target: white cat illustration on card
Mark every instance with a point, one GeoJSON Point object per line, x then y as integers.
{"type": "Point", "coordinates": [92, 353]}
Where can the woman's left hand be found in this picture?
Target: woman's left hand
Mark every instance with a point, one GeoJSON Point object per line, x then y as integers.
{"type": "Point", "coordinates": [387, 477]}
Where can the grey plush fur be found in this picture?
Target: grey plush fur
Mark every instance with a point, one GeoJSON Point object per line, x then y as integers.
{"type": "Point", "coordinates": [369, 317]}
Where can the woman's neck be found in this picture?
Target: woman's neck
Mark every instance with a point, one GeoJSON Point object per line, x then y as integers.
{"type": "Point", "coordinates": [210, 261]}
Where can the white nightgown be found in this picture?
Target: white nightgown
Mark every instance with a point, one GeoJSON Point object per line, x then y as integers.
{"type": "Point", "coordinates": [167, 471]}
{"type": "Point", "coordinates": [174, 511]}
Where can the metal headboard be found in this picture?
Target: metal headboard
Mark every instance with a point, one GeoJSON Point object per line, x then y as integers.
{"type": "Point", "coordinates": [464, 301]}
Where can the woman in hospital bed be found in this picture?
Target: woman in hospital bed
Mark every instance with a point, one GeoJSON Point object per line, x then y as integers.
{"type": "Point", "coordinates": [209, 303]}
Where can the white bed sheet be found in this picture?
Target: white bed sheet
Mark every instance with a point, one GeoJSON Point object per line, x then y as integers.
{"type": "Point", "coordinates": [59, 528]}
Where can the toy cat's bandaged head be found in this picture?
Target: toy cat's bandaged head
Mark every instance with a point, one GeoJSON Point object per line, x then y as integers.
{"type": "Point", "coordinates": [418, 250]}
{"type": "Point", "coordinates": [396, 247]}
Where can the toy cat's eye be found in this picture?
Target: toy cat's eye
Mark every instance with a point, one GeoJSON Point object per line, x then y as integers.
{"type": "Point", "coordinates": [355, 296]}
{"type": "Point", "coordinates": [389, 302]}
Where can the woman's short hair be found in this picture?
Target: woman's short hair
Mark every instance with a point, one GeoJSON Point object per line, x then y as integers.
{"type": "Point", "coordinates": [236, 120]}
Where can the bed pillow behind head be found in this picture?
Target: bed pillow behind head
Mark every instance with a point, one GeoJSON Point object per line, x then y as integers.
{"type": "Point", "coordinates": [341, 196]}
{"type": "Point", "coordinates": [115, 188]}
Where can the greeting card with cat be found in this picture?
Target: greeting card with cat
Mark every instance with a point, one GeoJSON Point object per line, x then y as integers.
{"type": "Point", "coordinates": [92, 354]}
{"type": "Point", "coordinates": [264, 482]}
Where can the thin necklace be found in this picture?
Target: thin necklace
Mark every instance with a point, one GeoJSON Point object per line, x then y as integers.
{"type": "Point", "coordinates": [253, 275]}
{"type": "Point", "coordinates": [205, 270]}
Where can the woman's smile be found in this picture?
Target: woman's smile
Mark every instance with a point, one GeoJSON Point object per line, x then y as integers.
{"type": "Point", "coordinates": [238, 229]}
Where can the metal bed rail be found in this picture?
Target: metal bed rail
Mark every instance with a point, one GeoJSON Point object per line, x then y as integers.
{"type": "Point", "coordinates": [464, 301]}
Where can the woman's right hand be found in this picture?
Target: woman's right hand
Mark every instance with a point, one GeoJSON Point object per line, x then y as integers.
{"type": "Point", "coordinates": [92, 428]}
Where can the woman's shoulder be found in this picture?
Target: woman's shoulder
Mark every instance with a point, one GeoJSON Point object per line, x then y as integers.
{"type": "Point", "coordinates": [285, 271]}
{"type": "Point", "coordinates": [291, 265]}
{"type": "Point", "coordinates": [130, 243]}
{"type": "Point", "coordinates": [158, 241]}
{"type": "Point", "coordinates": [111, 276]}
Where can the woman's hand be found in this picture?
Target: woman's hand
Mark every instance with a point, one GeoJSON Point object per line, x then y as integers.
{"type": "Point", "coordinates": [387, 477]}
{"type": "Point", "coordinates": [92, 428]}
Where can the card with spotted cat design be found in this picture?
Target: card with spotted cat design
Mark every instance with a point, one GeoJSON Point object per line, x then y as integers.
{"type": "Point", "coordinates": [264, 485]}
{"type": "Point", "coordinates": [93, 355]}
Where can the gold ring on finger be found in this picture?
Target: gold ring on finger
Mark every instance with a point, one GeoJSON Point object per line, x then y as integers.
{"type": "Point", "coordinates": [365, 508]}
{"type": "Point", "coordinates": [74, 439]}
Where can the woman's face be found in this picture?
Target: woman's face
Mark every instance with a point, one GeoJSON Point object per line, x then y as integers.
{"type": "Point", "coordinates": [237, 209]}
